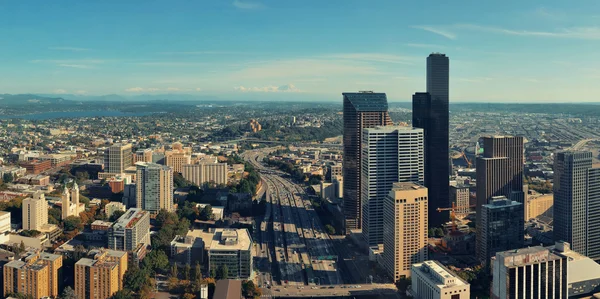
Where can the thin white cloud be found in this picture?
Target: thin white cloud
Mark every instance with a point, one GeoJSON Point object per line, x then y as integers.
{"type": "Point", "coordinates": [152, 89]}
{"type": "Point", "coordinates": [172, 89]}
{"type": "Point", "coordinates": [170, 63]}
{"type": "Point", "coordinates": [72, 49]}
{"type": "Point", "coordinates": [135, 89]}
{"type": "Point", "coordinates": [586, 33]}
{"type": "Point", "coordinates": [80, 92]}
{"type": "Point", "coordinates": [76, 66]}
{"type": "Point", "coordinates": [283, 88]}
{"type": "Point", "coordinates": [198, 89]}
{"type": "Point", "coordinates": [437, 30]}
{"type": "Point", "coordinates": [59, 91]}
{"type": "Point", "coordinates": [247, 4]}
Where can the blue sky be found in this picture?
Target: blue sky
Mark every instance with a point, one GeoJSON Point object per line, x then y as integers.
{"type": "Point", "coordinates": [505, 51]}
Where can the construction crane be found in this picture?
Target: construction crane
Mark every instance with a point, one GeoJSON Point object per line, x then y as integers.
{"type": "Point", "coordinates": [453, 212]}
{"type": "Point", "coordinates": [469, 164]}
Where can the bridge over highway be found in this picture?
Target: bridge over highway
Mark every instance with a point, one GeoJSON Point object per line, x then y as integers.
{"type": "Point", "coordinates": [324, 291]}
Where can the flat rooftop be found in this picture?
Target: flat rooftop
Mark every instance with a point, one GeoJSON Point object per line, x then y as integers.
{"type": "Point", "coordinates": [526, 256]}
{"type": "Point", "coordinates": [244, 241]}
{"type": "Point", "coordinates": [406, 186]}
{"type": "Point", "coordinates": [130, 217]}
{"type": "Point", "coordinates": [581, 268]}
{"type": "Point", "coordinates": [439, 274]}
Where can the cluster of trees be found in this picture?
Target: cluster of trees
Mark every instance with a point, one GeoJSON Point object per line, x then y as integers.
{"type": "Point", "coordinates": [169, 225]}
{"type": "Point", "coordinates": [274, 131]}
{"type": "Point", "coordinates": [249, 183]}
{"type": "Point", "coordinates": [435, 232]}
{"type": "Point", "coordinates": [479, 278]}
{"type": "Point", "coordinates": [541, 187]}
{"type": "Point", "coordinates": [14, 207]}
{"type": "Point", "coordinates": [188, 210]}
{"type": "Point", "coordinates": [250, 290]}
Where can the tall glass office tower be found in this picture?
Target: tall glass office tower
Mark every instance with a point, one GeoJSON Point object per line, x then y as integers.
{"type": "Point", "coordinates": [431, 113]}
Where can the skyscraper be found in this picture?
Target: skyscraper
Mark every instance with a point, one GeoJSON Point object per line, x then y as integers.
{"type": "Point", "coordinates": [431, 113]}
{"type": "Point", "coordinates": [405, 229]}
{"type": "Point", "coordinates": [499, 173]}
{"type": "Point", "coordinates": [577, 202]}
{"type": "Point", "coordinates": [154, 187]}
{"type": "Point", "coordinates": [390, 154]}
{"type": "Point", "coordinates": [501, 227]}
{"type": "Point", "coordinates": [361, 110]}
{"type": "Point", "coordinates": [117, 157]}
{"type": "Point", "coordinates": [130, 230]}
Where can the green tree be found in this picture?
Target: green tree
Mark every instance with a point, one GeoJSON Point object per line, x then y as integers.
{"type": "Point", "coordinates": [330, 230]}
{"type": "Point", "coordinates": [222, 272]}
{"type": "Point", "coordinates": [402, 284]}
{"type": "Point", "coordinates": [156, 261]}
{"type": "Point", "coordinates": [22, 247]}
{"type": "Point", "coordinates": [68, 293]}
{"type": "Point", "coordinates": [174, 270]}
{"type": "Point", "coordinates": [249, 290]}
{"type": "Point", "coordinates": [213, 272]}
{"type": "Point", "coordinates": [72, 223]}
{"type": "Point", "coordinates": [136, 278]}
{"type": "Point", "coordinates": [186, 272]}
{"type": "Point", "coordinates": [54, 215]}
{"type": "Point", "coordinates": [123, 294]}
{"type": "Point", "coordinates": [197, 271]}
{"type": "Point", "coordinates": [116, 215]}
{"type": "Point", "coordinates": [7, 178]}
{"type": "Point", "coordinates": [438, 232]}
{"type": "Point", "coordinates": [206, 213]}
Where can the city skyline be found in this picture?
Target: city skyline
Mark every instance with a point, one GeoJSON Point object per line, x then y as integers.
{"type": "Point", "coordinates": [268, 50]}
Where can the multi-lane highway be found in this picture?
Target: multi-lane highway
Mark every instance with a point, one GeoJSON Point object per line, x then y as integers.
{"type": "Point", "coordinates": [292, 239]}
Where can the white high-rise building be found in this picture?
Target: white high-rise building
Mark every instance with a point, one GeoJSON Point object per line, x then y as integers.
{"type": "Point", "coordinates": [35, 212]}
{"type": "Point", "coordinates": [390, 154]}
{"type": "Point", "coordinates": [154, 187]}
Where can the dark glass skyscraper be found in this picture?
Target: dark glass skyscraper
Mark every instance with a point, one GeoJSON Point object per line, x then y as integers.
{"type": "Point", "coordinates": [499, 173]}
{"type": "Point", "coordinates": [431, 113]}
{"type": "Point", "coordinates": [577, 202]}
{"type": "Point", "coordinates": [361, 110]}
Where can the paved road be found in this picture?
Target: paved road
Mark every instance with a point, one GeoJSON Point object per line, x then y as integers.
{"type": "Point", "coordinates": [388, 291]}
{"type": "Point", "coordinates": [297, 243]}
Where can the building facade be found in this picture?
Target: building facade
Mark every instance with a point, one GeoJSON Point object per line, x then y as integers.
{"type": "Point", "coordinates": [361, 110]}
{"type": "Point", "coordinates": [131, 229]}
{"type": "Point", "coordinates": [389, 154]}
{"type": "Point", "coordinates": [154, 187]}
{"type": "Point", "coordinates": [201, 173]}
{"type": "Point", "coordinates": [405, 229]}
{"type": "Point", "coordinates": [101, 276]}
{"type": "Point", "coordinates": [499, 173]}
{"type": "Point", "coordinates": [577, 202]}
{"type": "Point", "coordinates": [231, 248]}
{"type": "Point", "coordinates": [431, 280]}
{"type": "Point", "coordinates": [142, 155]}
{"type": "Point", "coordinates": [502, 228]}
{"type": "Point", "coordinates": [431, 113]}
{"type": "Point", "coordinates": [460, 196]}
{"type": "Point", "coordinates": [111, 207]}
{"type": "Point", "coordinates": [38, 275]}
{"type": "Point", "coordinates": [117, 157]}
{"type": "Point", "coordinates": [533, 272]}
{"type": "Point", "coordinates": [176, 160]}
{"type": "Point", "coordinates": [35, 212]}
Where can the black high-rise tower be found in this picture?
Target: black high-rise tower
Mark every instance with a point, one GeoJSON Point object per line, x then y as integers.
{"type": "Point", "coordinates": [431, 113]}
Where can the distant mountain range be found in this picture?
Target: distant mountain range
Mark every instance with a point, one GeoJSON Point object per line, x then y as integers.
{"type": "Point", "coordinates": [32, 99]}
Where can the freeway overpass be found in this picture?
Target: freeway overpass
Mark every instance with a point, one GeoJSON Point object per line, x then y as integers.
{"type": "Point", "coordinates": [331, 291]}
